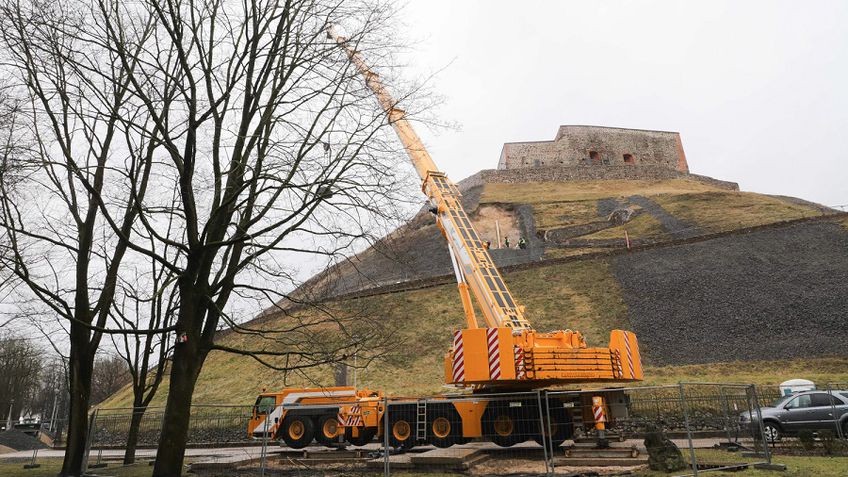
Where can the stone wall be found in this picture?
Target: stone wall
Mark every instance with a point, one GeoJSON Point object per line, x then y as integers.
{"type": "Point", "coordinates": [596, 145]}
{"type": "Point", "coordinates": [585, 173]}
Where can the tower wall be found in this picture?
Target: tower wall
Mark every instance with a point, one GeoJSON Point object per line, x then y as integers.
{"type": "Point", "coordinates": [598, 146]}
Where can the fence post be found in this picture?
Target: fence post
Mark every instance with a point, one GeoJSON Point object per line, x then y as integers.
{"type": "Point", "coordinates": [546, 437]}
{"type": "Point", "coordinates": [32, 464]}
{"type": "Point", "coordinates": [725, 411]}
{"type": "Point", "coordinates": [761, 423]}
{"type": "Point", "coordinates": [688, 430]}
{"type": "Point", "coordinates": [550, 434]}
{"type": "Point", "coordinates": [386, 469]}
{"type": "Point", "coordinates": [92, 421]}
{"type": "Point", "coordinates": [264, 448]}
{"type": "Point", "coordinates": [833, 412]}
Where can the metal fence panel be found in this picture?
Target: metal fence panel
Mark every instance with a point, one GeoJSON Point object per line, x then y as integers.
{"type": "Point", "coordinates": [715, 426]}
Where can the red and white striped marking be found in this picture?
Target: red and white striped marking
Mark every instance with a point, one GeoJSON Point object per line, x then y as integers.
{"type": "Point", "coordinates": [353, 419]}
{"type": "Point", "coordinates": [493, 346]}
{"type": "Point", "coordinates": [520, 371]}
{"type": "Point", "coordinates": [618, 363]}
{"type": "Point", "coordinates": [629, 354]}
{"type": "Point", "coordinates": [599, 414]}
{"type": "Point", "coordinates": [458, 358]}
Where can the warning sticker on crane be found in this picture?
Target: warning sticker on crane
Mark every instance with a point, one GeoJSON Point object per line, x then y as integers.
{"type": "Point", "coordinates": [629, 354]}
{"type": "Point", "coordinates": [598, 409]}
{"type": "Point", "coordinates": [458, 357]}
{"type": "Point", "coordinates": [493, 346]}
{"type": "Point", "coordinates": [353, 418]}
{"type": "Point", "coordinates": [520, 371]}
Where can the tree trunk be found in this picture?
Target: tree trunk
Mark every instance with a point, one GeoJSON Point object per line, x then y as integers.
{"type": "Point", "coordinates": [185, 368]}
{"type": "Point", "coordinates": [132, 436]}
{"type": "Point", "coordinates": [80, 367]}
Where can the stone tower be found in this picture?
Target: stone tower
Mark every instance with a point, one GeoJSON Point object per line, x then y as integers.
{"type": "Point", "coordinates": [598, 146]}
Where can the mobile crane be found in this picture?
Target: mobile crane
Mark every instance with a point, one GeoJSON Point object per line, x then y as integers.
{"type": "Point", "coordinates": [504, 354]}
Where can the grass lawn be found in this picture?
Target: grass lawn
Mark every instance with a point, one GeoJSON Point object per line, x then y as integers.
{"type": "Point", "coordinates": [51, 466]}
{"type": "Point", "coordinates": [541, 192]}
{"type": "Point", "coordinates": [819, 370]}
{"type": "Point", "coordinates": [721, 211]}
{"type": "Point", "coordinates": [644, 226]}
{"type": "Point", "coordinates": [796, 466]}
{"type": "Point", "coordinates": [551, 215]}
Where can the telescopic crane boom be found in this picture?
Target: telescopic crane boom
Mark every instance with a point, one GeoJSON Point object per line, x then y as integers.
{"type": "Point", "coordinates": [507, 352]}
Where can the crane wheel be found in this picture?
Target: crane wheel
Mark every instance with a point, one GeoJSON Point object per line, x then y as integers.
{"type": "Point", "coordinates": [297, 431]}
{"type": "Point", "coordinates": [444, 426]}
{"type": "Point", "coordinates": [558, 429]}
{"type": "Point", "coordinates": [365, 435]}
{"type": "Point", "coordinates": [502, 425]}
{"type": "Point", "coordinates": [328, 430]}
{"type": "Point", "coordinates": [401, 430]}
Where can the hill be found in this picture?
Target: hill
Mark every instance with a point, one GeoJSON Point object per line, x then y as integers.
{"type": "Point", "coordinates": [561, 218]}
{"type": "Point", "coordinates": [717, 284]}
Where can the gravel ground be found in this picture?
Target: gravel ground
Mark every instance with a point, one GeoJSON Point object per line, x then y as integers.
{"type": "Point", "coordinates": [19, 441]}
{"type": "Point", "coordinates": [607, 206]}
{"type": "Point", "coordinates": [770, 294]}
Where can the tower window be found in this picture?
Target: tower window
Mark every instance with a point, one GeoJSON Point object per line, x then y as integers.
{"type": "Point", "coordinates": [594, 156]}
{"type": "Point", "coordinates": [628, 159]}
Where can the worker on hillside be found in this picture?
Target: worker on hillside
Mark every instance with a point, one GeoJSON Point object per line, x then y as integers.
{"type": "Point", "coordinates": [487, 244]}
{"type": "Point", "coordinates": [506, 242]}
{"type": "Point", "coordinates": [522, 244]}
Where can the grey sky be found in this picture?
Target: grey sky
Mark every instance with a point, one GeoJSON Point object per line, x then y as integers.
{"type": "Point", "coordinates": [757, 89]}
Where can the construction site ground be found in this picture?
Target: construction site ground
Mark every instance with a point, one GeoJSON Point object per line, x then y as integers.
{"type": "Point", "coordinates": [50, 463]}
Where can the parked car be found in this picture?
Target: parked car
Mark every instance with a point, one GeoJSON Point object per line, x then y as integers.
{"type": "Point", "coordinates": [809, 410]}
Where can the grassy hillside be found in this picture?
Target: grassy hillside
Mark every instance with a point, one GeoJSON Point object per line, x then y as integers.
{"type": "Point", "coordinates": [581, 295]}
{"type": "Point", "coordinates": [708, 208]}
{"type": "Point", "coordinates": [584, 294]}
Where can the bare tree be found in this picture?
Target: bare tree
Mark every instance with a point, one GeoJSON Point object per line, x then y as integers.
{"type": "Point", "coordinates": [147, 300]}
{"type": "Point", "coordinates": [69, 220]}
{"type": "Point", "coordinates": [51, 399]}
{"type": "Point", "coordinates": [20, 368]}
{"type": "Point", "coordinates": [109, 376]}
{"type": "Point", "coordinates": [233, 133]}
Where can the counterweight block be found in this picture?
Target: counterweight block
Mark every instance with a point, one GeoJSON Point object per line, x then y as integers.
{"type": "Point", "coordinates": [495, 357]}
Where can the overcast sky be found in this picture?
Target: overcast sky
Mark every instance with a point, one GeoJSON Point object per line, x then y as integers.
{"type": "Point", "coordinates": [757, 89]}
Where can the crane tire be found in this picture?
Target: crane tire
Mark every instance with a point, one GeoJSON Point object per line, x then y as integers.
{"type": "Point", "coordinates": [297, 431]}
{"type": "Point", "coordinates": [327, 431]}
{"type": "Point", "coordinates": [444, 426]}
{"type": "Point", "coordinates": [501, 426]}
{"type": "Point", "coordinates": [401, 429]}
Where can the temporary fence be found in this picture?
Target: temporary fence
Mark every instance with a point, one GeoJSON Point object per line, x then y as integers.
{"type": "Point", "coordinates": [208, 425]}
{"type": "Point", "coordinates": [702, 420]}
{"type": "Point", "coordinates": [712, 426]}
{"type": "Point", "coordinates": [543, 432]}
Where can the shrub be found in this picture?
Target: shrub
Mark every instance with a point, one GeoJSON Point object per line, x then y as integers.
{"type": "Point", "coordinates": [808, 440]}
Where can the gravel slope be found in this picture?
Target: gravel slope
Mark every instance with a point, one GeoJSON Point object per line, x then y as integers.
{"type": "Point", "coordinates": [770, 294]}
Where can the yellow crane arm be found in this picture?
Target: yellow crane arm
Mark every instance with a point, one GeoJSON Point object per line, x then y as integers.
{"type": "Point", "coordinates": [474, 268]}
